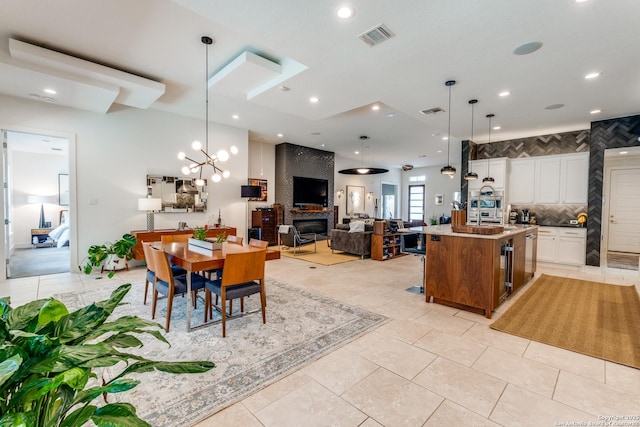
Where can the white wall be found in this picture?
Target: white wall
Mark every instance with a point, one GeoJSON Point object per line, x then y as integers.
{"type": "Point", "coordinates": [263, 159]}
{"type": "Point", "coordinates": [435, 183]}
{"type": "Point", "coordinates": [369, 182]}
{"type": "Point", "coordinates": [34, 174]}
{"type": "Point", "coordinates": [114, 153]}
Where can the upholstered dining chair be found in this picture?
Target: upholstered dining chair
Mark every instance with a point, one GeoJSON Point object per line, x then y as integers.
{"type": "Point", "coordinates": [243, 275]}
{"type": "Point", "coordinates": [262, 244]}
{"type": "Point", "coordinates": [169, 238]}
{"type": "Point", "coordinates": [290, 237]}
{"type": "Point", "coordinates": [166, 284]}
{"type": "Point", "coordinates": [151, 270]}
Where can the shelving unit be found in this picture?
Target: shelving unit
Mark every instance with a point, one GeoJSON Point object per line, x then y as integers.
{"type": "Point", "coordinates": [385, 245]}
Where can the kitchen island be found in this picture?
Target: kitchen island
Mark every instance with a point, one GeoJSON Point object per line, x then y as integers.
{"type": "Point", "coordinates": [477, 272]}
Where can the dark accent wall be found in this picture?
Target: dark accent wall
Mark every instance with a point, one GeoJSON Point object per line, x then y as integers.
{"type": "Point", "coordinates": [605, 134]}
{"type": "Point", "coordinates": [295, 160]}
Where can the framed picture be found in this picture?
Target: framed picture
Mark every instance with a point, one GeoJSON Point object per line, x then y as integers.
{"type": "Point", "coordinates": [355, 199]}
{"type": "Point", "coordinates": [439, 199]}
{"type": "Point", "coordinates": [63, 189]}
{"type": "Point", "coordinates": [263, 193]}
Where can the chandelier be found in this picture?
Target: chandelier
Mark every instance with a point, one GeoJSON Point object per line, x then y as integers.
{"type": "Point", "coordinates": [448, 169]}
{"type": "Point", "coordinates": [221, 155]}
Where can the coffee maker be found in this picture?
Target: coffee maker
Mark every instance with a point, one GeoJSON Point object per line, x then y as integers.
{"type": "Point", "coordinates": [524, 216]}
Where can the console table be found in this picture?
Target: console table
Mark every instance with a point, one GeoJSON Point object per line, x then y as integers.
{"type": "Point", "coordinates": [155, 236]}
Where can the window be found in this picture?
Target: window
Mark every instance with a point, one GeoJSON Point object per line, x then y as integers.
{"type": "Point", "coordinates": [416, 203]}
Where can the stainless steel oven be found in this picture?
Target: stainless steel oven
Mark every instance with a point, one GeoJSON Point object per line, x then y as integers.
{"type": "Point", "coordinates": [488, 204]}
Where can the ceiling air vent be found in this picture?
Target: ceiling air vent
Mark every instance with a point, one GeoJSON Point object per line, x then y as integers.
{"type": "Point", "coordinates": [433, 110]}
{"type": "Point", "coordinates": [376, 35]}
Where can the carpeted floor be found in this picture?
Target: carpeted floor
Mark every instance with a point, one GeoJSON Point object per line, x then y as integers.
{"type": "Point", "coordinates": [591, 318]}
{"type": "Point", "coordinates": [323, 255]}
{"type": "Point", "coordinates": [38, 262]}
{"type": "Point", "coordinates": [626, 261]}
{"type": "Point", "coordinates": [301, 327]}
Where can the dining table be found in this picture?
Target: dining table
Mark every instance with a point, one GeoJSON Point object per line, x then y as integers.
{"type": "Point", "coordinates": [195, 259]}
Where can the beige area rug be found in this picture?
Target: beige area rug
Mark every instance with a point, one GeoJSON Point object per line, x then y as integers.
{"type": "Point", "coordinates": [591, 318]}
{"type": "Point", "coordinates": [301, 327]}
{"type": "Point", "coordinates": [623, 260]}
{"type": "Point", "coordinates": [323, 256]}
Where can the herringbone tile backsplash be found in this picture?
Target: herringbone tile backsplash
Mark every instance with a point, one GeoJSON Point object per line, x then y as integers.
{"type": "Point", "coordinates": [552, 214]}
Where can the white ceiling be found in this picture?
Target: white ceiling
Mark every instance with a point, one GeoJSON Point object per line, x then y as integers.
{"type": "Point", "coordinates": [320, 55]}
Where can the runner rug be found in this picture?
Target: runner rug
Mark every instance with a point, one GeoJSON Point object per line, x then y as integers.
{"type": "Point", "coordinates": [301, 326]}
{"type": "Point", "coordinates": [591, 318]}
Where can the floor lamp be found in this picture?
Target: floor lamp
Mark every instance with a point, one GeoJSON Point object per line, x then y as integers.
{"type": "Point", "coordinates": [250, 192]}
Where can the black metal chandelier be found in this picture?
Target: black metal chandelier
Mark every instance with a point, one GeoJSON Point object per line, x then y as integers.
{"type": "Point", "coordinates": [221, 155]}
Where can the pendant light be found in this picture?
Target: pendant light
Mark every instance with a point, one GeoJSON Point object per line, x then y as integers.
{"type": "Point", "coordinates": [209, 159]}
{"type": "Point", "coordinates": [470, 175]}
{"type": "Point", "coordinates": [488, 179]}
{"type": "Point", "coordinates": [362, 170]}
{"type": "Point", "coordinates": [449, 170]}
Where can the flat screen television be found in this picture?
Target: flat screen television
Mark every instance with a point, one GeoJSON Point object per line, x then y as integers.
{"type": "Point", "coordinates": [310, 191]}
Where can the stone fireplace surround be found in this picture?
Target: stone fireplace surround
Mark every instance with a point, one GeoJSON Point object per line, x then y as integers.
{"type": "Point", "coordinates": [295, 160]}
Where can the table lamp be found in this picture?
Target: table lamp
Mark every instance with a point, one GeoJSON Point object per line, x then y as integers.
{"type": "Point", "coordinates": [34, 199]}
{"type": "Point", "coordinates": [149, 204]}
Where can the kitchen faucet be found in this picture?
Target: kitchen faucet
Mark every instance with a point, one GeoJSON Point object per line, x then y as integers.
{"type": "Point", "coordinates": [480, 208]}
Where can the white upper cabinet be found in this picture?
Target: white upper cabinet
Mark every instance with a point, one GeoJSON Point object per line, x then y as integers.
{"type": "Point", "coordinates": [560, 179]}
{"type": "Point", "coordinates": [547, 181]}
{"type": "Point", "coordinates": [496, 168]}
{"type": "Point", "coordinates": [574, 179]}
{"type": "Point", "coordinates": [521, 178]}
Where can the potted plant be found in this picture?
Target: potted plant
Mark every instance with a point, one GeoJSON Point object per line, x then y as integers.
{"type": "Point", "coordinates": [110, 256]}
{"type": "Point", "coordinates": [200, 239]}
{"type": "Point", "coordinates": [48, 356]}
{"type": "Point", "coordinates": [433, 220]}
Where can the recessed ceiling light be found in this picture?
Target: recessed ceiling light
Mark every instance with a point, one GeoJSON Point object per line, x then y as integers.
{"type": "Point", "coordinates": [596, 111]}
{"type": "Point", "coordinates": [439, 151]}
{"type": "Point", "coordinates": [50, 91]}
{"type": "Point", "coordinates": [391, 114]}
{"type": "Point", "coordinates": [314, 99]}
{"type": "Point", "coordinates": [235, 116]}
{"type": "Point", "coordinates": [345, 12]}
{"type": "Point", "coordinates": [444, 138]}
{"type": "Point", "coordinates": [580, 1]}
{"type": "Point", "coordinates": [504, 93]}
{"type": "Point", "coordinates": [497, 127]}
{"type": "Point", "coordinates": [624, 152]}
{"type": "Point", "coordinates": [356, 152]}
{"type": "Point", "coordinates": [322, 145]}
{"type": "Point", "coordinates": [553, 106]}
{"type": "Point", "coordinates": [592, 75]}
{"type": "Point", "coordinates": [375, 107]}
{"type": "Point", "coordinates": [280, 135]}
{"type": "Point", "coordinates": [527, 48]}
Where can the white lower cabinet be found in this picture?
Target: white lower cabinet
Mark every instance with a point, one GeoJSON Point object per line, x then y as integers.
{"type": "Point", "coordinates": [562, 245]}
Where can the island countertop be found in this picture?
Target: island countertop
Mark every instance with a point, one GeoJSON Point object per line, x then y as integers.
{"type": "Point", "coordinates": [445, 230]}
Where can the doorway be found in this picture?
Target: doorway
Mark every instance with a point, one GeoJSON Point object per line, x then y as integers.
{"type": "Point", "coordinates": [621, 222]}
{"type": "Point", "coordinates": [36, 204]}
{"type": "Point", "coordinates": [389, 193]}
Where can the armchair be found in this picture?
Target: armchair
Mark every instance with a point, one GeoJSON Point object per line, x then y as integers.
{"type": "Point", "coordinates": [290, 237]}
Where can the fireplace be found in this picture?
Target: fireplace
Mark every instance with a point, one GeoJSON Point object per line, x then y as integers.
{"type": "Point", "coordinates": [316, 225]}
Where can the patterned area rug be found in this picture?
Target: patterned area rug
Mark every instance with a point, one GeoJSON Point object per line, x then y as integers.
{"type": "Point", "coordinates": [301, 326]}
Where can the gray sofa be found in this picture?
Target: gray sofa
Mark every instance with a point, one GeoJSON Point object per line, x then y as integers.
{"type": "Point", "coordinates": [358, 243]}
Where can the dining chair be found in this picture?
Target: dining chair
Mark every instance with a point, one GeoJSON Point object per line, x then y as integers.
{"type": "Point", "coordinates": [169, 238]}
{"type": "Point", "coordinates": [243, 275]}
{"type": "Point", "coordinates": [236, 240]}
{"type": "Point", "coordinates": [166, 284]}
{"type": "Point", "coordinates": [150, 277]}
{"type": "Point", "coordinates": [263, 244]}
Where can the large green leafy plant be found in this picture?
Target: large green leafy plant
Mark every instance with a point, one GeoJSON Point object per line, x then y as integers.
{"type": "Point", "coordinates": [98, 255]}
{"type": "Point", "coordinates": [47, 358]}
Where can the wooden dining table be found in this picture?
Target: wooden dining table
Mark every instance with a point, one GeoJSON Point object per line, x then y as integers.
{"type": "Point", "coordinates": [194, 260]}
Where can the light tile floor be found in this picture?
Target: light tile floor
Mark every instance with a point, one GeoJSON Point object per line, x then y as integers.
{"type": "Point", "coordinates": [430, 365]}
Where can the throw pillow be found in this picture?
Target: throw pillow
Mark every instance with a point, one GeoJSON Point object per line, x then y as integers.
{"type": "Point", "coordinates": [356, 226]}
